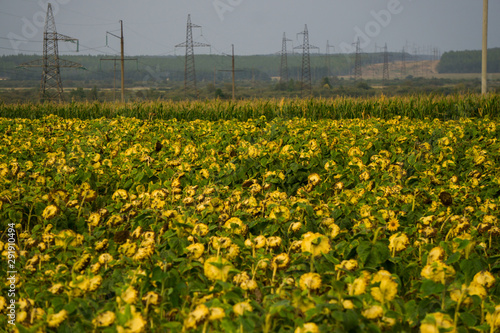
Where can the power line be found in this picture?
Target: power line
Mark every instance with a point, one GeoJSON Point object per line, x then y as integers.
{"type": "Point", "coordinates": [21, 40]}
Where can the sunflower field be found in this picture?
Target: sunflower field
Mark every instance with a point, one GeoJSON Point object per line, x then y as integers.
{"type": "Point", "coordinates": [266, 224]}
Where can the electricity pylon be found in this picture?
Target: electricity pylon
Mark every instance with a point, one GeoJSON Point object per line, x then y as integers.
{"type": "Point", "coordinates": [328, 60]}
{"type": "Point", "coordinates": [51, 88]}
{"type": "Point", "coordinates": [306, 61]}
{"type": "Point", "coordinates": [284, 61]}
{"type": "Point", "coordinates": [189, 68]}
{"type": "Point", "coordinates": [358, 75]}
{"type": "Point", "coordinates": [385, 72]}
{"type": "Point", "coordinates": [403, 64]}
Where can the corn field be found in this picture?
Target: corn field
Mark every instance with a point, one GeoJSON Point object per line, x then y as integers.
{"type": "Point", "coordinates": [416, 107]}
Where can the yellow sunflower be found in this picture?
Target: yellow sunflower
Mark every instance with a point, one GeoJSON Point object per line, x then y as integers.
{"type": "Point", "coordinates": [393, 224]}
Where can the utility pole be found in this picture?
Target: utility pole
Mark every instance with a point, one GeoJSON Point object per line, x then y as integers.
{"type": "Point", "coordinates": [122, 57]}
{"type": "Point", "coordinates": [189, 68]}
{"type": "Point", "coordinates": [233, 72]}
{"type": "Point", "coordinates": [51, 88]}
{"type": "Point", "coordinates": [484, 66]}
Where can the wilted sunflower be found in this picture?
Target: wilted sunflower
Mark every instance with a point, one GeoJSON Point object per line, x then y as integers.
{"type": "Point", "coordinates": [101, 245]}
{"type": "Point", "coordinates": [120, 194]}
{"type": "Point", "coordinates": [136, 324]}
{"type": "Point", "coordinates": [50, 212]}
{"type": "Point", "coordinates": [217, 268]}
{"type": "Point", "coordinates": [314, 179]}
{"type": "Point", "coordinates": [216, 313]}
{"type": "Point", "coordinates": [334, 230]}
{"type": "Point", "coordinates": [295, 226]}
{"type": "Point", "coordinates": [347, 265]}
{"type": "Point", "coordinates": [88, 195]}
{"type": "Point", "coordinates": [151, 298]}
{"type": "Point", "coordinates": [315, 243]}
{"type": "Point", "coordinates": [373, 312]}
{"type": "Point", "coordinates": [94, 219]}
{"type": "Point", "coordinates": [105, 258]}
{"type": "Point", "coordinates": [274, 241]}
{"type": "Point", "coordinates": [236, 226]}
{"type": "Point", "coordinates": [484, 278]}
{"type": "Point", "coordinates": [56, 288]}
{"type": "Point", "coordinates": [436, 322]}
{"type": "Point", "coordinates": [280, 261]}
{"type": "Point", "coordinates": [196, 250]}
{"type": "Point", "coordinates": [436, 254]}
{"type": "Point", "coordinates": [104, 319]}
{"type": "Point", "coordinates": [310, 281]}
{"type": "Point", "coordinates": [242, 307]}
{"type": "Point", "coordinates": [129, 296]}
{"type": "Point", "coordinates": [200, 229]}
{"type": "Point", "coordinates": [494, 318]}
{"type": "Point", "coordinates": [307, 328]}
{"type": "Point", "coordinates": [128, 249]}
{"type": "Point", "coordinates": [386, 290]}
{"type": "Point", "coordinates": [55, 319]}
{"type": "Point", "coordinates": [357, 287]}
{"type": "Point", "coordinates": [232, 252]}
{"type": "Point", "coordinates": [249, 285]}
{"type": "Point", "coordinates": [95, 282]}
{"type": "Point", "coordinates": [437, 272]}
{"type": "Point", "coordinates": [220, 242]}
{"type": "Point", "coordinates": [398, 242]}
{"type": "Point", "coordinates": [68, 237]}
{"type": "Point", "coordinates": [280, 212]}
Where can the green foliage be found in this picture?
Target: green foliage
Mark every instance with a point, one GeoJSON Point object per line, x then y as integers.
{"type": "Point", "coordinates": [468, 61]}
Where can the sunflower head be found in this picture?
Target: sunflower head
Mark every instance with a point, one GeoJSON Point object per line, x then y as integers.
{"type": "Point", "coordinates": [50, 212]}
{"type": "Point", "coordinates": [310, 281]}
{"type": "Point", "coordinates": [315, 243]}
{"type": "Point", "coordinates": [217, 268]}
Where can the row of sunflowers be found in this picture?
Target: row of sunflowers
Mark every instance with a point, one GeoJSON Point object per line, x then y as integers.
{"type": "Point", "coordinates": [128, 225]}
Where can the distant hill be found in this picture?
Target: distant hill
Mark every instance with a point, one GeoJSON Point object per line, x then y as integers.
{"type": "Point", "coordinates": [147, 68]}
{"type": "Point", "coordinates": [468, 61]}
{"type": "Point", "coordinates": [150, 69]}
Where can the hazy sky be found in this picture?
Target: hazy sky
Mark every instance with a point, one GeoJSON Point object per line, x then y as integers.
{"type": "Point", "coordinates": [154, 27]}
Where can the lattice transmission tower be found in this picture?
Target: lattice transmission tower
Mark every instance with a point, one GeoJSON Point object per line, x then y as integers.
{"type": "Point", "coordinates": [328, 60]}
{"type": "Point", "coordinates": [385, 72]}
{"type": "Point", "coordinates": [358, 75]}
{"type": "Point", "coordinates": [51, 88]}
{"type": "Point", "coordinates": [189, 68]}
{"type": "Point", "coordinates": [305, 77]}
{"type": "Point", "coordinates": [284, 61]}
{"type": "Point", "coordinates": [403, 64]}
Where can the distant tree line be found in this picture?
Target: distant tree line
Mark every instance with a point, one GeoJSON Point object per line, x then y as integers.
{"type": "Point", "coordinates": [468, 61]}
